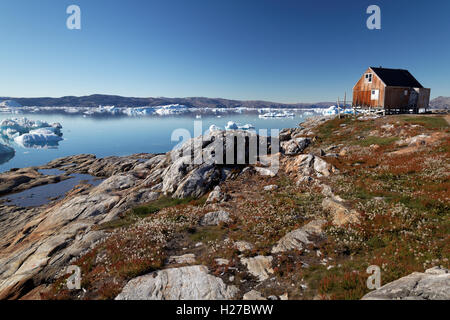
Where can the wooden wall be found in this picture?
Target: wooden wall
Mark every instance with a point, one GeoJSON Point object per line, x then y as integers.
{"type": "Point", "coordinates": [424, 98]}
{"type": "Point", "coordinates": [362, 91]}
{"type": "Point", "coordinates": [396, 98]}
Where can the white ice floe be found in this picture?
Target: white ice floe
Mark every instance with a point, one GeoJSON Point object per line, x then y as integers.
{"type": "Point", "coordinates": [333, 110]}
{"type": "Point", "coordinates": [12, 128]}
{"type": "Point", "coordinates": [139, 111]}
{"type": "Point", "coordinates": [284, 114]}
{"type": "Point", "coordinates": [27, 132]}
{"type": "Point", "coordinates": [113, 110]}
{"type": "Point", "coordinates": [171, 109]}
{"type": "Point", "coordinates": [40, 137]}
{"type": "Point", "coordinates": [231, 125]}
{"type": "Point", "coordinates": [71, 110]}
{"type": "Point", "coordinates": [247, 127]}
{"type": "Point", "coordinates": [213, 127]}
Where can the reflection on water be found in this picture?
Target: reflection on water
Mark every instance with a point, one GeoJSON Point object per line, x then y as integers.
{"type": "Point", "coordinates": [41, 195]}
{"type": "Point", "coordinates": [5, 157]}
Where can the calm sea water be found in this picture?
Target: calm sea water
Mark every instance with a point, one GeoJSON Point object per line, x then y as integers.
{"type": "Point", "coordinates": [119, 135]}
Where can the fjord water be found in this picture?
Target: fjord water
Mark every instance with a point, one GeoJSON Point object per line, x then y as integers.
{"type": "Point", "coordinates": [121, 135]}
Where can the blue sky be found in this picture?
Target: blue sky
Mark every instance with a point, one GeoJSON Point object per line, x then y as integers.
{"type": "Point", "coordinates": [278, 50]}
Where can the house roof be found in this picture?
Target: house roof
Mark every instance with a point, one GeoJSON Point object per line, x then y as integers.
{"type": "Point", "coordinates": [397, 77]}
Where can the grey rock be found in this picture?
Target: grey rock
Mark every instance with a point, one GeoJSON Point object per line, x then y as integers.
{"type": "Point", "coordinates": [117, 182]}
{"type": "Point", "coordinates": [339, 210]}
{"type": "Point", "coordinates": [253, 295]}
{"type": "Point", "coordinates": [215, 196]}
{"type": "Point", "coordinates": [215, 218]}
{"type": "Point", "coordinates": [265, 171]}
{"type": "Point", "coordinates": [243, 246]}
{"type": "Point", "coordinates": [294, 146]}
{"type": "Point", "coordinates": [186, 283]}
{"type": "Point", "coordinates": [297, 239]}
{"type": "Point", "coordinates": [434, 284]}
{"type": "Point", "coordinates": [259, 266]}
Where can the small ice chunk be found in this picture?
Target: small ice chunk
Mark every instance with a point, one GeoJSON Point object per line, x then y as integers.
{"type": "Point", "coordinates": [231, 125]}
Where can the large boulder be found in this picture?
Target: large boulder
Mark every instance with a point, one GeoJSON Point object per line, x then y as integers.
{"type": "Point", "coordinates": [186, 283]}
{"type": "Point", "coordinates": [299, 238]}
{"type": "Point", "coordinates": [294, 146]}
{"type": "Point", "coordinates": [259, 266]}
{"type": "Point", "coordinates": [215, 218]}
{"type": "Point", "coordinates": [340, 212]}
{"type": "Point", "coordinates": [434, 284]}
{"type": "Point", "coordinates": [307, 165]}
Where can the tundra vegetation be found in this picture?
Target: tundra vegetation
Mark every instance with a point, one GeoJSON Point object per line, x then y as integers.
{"type": "Point", "coordinates": [393, 171]}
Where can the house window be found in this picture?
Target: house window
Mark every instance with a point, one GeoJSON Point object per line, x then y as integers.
{"type": "Point", "coordinates": [406, 92]}
{"type": "Point", "coordinates": [368, 77]}
{"type": "Point", "coordinates": [375, 94]}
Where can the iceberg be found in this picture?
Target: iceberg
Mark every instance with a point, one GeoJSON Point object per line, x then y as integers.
{"type": "Point", "coordinates": [30, 133]}
{"type": "Point", "coordinates": [39, 137]}
{"type": "Point", "coordinates": [247, 127]}
{"type": "Point", "coordinates": [283, 114]}
{"type": "Point", "coordinates": [12, 128]}
{"type": "Point", "coordinates": [140, 111]}
{"type": "Point", "coordinates": [71, 110]}
{"type": "Point", "coordinates": [231, 125]}
{"type": "Point", "coordinates": [171, 109]}
{"type": "Point", "coordinates": [213, 127]}
{"type": "Point", "coordinates": [333, 110]}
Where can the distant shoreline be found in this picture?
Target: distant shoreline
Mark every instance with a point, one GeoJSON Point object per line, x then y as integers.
{"type": "Point", "coordinates": [119, 101]}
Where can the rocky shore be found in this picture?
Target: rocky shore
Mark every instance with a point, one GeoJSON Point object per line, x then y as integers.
{"type": "Point", "coordinates": [243, 251]}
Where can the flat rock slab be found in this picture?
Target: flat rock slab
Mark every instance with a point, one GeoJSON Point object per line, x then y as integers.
{"type": "Point", "coordinates": [186, 283]}
{"type": "Point", "coordinates": [434, 284]}
{"type": "Point", "coordinates": [253, 295]}
{"type": "Point", "coordinates": [215, 218]}
{"type": "Point", "coordinates": [297, 239]}
{"type": "Point", "coordinates": [259, 266]}
{"type": "Point", "coordinates": [340, 212]}
{"type": "Point", "coordinates": [185, 258]}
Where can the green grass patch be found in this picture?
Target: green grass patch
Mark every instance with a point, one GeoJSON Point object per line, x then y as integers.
{"type": "Point", "coordinates": [206, 234]}
{"type": "Point", "coordinates": [157, 205]}
{"type": "Point", "coordinates": [381, 141]}
{"type": "Point", "coordinates": [146, 210]}
{"type": "Point", "coordinates": [428, 122]}
{"type": "Point", "coordinates": [326, 130]}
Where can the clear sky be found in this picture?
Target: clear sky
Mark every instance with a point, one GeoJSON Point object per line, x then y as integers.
{"type": "Point", "coordinates": [278, 50]}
